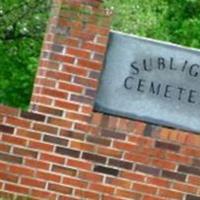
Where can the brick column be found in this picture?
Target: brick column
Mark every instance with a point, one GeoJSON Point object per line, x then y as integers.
{"type": "Point", "coordinates": [71, 60]}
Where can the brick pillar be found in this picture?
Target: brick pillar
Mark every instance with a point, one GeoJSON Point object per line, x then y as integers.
{"type": "Point", "coordinates": [71, 59]}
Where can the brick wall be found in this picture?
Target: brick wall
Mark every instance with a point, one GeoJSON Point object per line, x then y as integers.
{"type": "Point", "coordinates": [62, 150]}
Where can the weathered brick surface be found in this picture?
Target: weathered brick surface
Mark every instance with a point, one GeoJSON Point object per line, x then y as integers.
{"type": "Point", "coordinates": [62, 150]}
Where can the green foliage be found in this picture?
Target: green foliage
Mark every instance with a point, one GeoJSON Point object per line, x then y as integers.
{"type": "Point", "coordinates": [175, 21]}
{"type": "Point", "coordinates": [18, 61]}
{"type": "Point", "coordinates": [22, 24]}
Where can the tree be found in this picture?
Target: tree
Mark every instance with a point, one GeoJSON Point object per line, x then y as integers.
{"type": "Point", "coordinates": [175, 21]}
{"type": "Point", "coordinates": [22, 24]}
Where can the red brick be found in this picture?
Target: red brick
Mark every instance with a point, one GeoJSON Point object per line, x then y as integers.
{"type": "Point", "coordinates": [102, 188]}
{"type": "Point", "coordinates": [82, 35]}
{"type": "Point", "coordinates": [158, 181]}
{"type": "Point", "coordinates": [90, 176]}
{"type": "Point", "coordinates": [75, 70]}
{"type": "Point", "coordinates": [86, 194]}
{"type": "Point", "coordinates": [1, 118]}
{"type": "Point", "coordinates": [60, 122]}
{"type": "Point", "coordinates": [173, 136]}
{"type": "Point", "coordinates": [72, 134]}
{"type": "Point", "coordinates": [167, 193]}
{"type": "Point", "coordinates": [52, 158]}
{"type": "Point", "coordinates": [4, 166]}
{"type": "Point", "coordinates": [108, 197]}
{"type": "Point", "coordinates": [25, 152]}
{"type": "Point", "coordinates": [51, 64]}
{"type": "Point", "coordinates": [49, 110]}
{"type": "Point", "coordinates": [148, 197]}
{"type": "Point", "coordinates": [144, 188]}
{"type": "Point", "coordinates": [96, 118]}
{"type": "Point", "coordinates": [194, 180]}
{"type": "Point", "coordinates": [18, 122]}
{"type": "Point", "coordinates": [137, 158]}
{"type": "Point", "coordinates": [40, 146]}
{"type": "Point", "coordinates": [64, 197]}
{"type": "Point", "coordinates": [8, 110]}
{"type": "Point", "coordinates": [86, 82]}
{"type": "Point", "coordinates": [79, 52]}
{"type": "Point", "coordinates": [95, 130]}
{"type": "Point", "coordinates": [41, 99]}
{"type": "Point", "coordinates": [139, 128]}
{"type": "Point", "coordinates": [45, 82]}
{"type": "Point", "coordinates": [62, 58]}
{"type": "Point", "coordinates": [66, 105]}
{"type": "Point", "coordinates": [28, 134]}
{"type": "Point", "coordinates": [90, 64]}
{"type": "Point", "coordinates": [21, 170]}
{"type": "Point", "coordinates": [185, 188]}
{"type": "Point", "coordinates": [86, 109]}
{"type": "Point", "coordinates": [123, 125]}
{"type": "Point", "coordinates": [182, 137]}
{"type": "Point", "coordinates": [53, 93]}
{"type": "Point", "coordinates": [164, 133]}
{"type": "Point", "coordinates": [72, 42]}
{"type": "Point", "coordinates": [132, 176]}
{"type": "Point", "coordinates": [45, 128]}
{"type": "Point", "coordinates": [14, 140]}
{"type": "Point", "coordinates": [140, 140]}
{"type": "Point", "coordinates": [78, 117]}
{"type": "Point", "coordinates": [33, 182]}
{"type": "Point", "coordinates": [4, 147]}
{"type": "Point", "coordinates": [98, 29]}
{"type": "Point", "coordinates": [153, 152]}
{"type": "Point", "coordinates": [79, 164]}
{"type": "Point", "coordinates": [119, 182]}
{"type": "Point", "coordinates": [102, 40]}
{"type": "Point", "coordinates": [109, 152]}
{"type": "Point", "coordinates": [125, 146]}
{"type": "Point", "coordinates": [59, 188]}
{"type": "Point", "coordinates": [69, 197]}
{"type": "Point", "coordinates": [47, 176]}
{"type": "Point", "coordinates": [178, 158]}
{"type": "Point", "coordinates": [128, 194]}
{"type": "Point", "coordinates": [83, 127]}
{"type": "Point", "coordinates": [37, 164]}
{"type": "Point", "coordinates": [16, 188]}
{"type": "Point", "coordinates": [43, 194]}
{"type": "Point", "coordinates": [193, 140]}
{"type": "Point", "coordinates": [189, 151]}
{"type": "Point", "coordinates": [66, 41]}
{"type": "Point", "coordinates": [164, 164]}
{"type": "Point", "coordinates": [82, 146]}
{"type": "Point", "coordinates": [63, 21]}
{"type": "Point", "coordinates": [64, 170]}
{"type": "Point", "coordinates": [94, 47]}
{"type": "Point", "coordinates": [8, 177]}
{"type": "Point", "coordinates": [70, 87]}
{"type": "Point", "coordinates": [75, 182]}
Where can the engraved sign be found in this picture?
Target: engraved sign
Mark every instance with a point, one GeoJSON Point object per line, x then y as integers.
{"type": "Point", "coordinates": [152, 81]}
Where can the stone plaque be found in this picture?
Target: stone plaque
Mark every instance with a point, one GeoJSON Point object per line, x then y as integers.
{"type": "Point", "coordinates": [152, 81]}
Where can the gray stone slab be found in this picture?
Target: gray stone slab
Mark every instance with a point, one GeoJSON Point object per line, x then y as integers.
{"type": "Point", "coordinates": [152, 81]}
